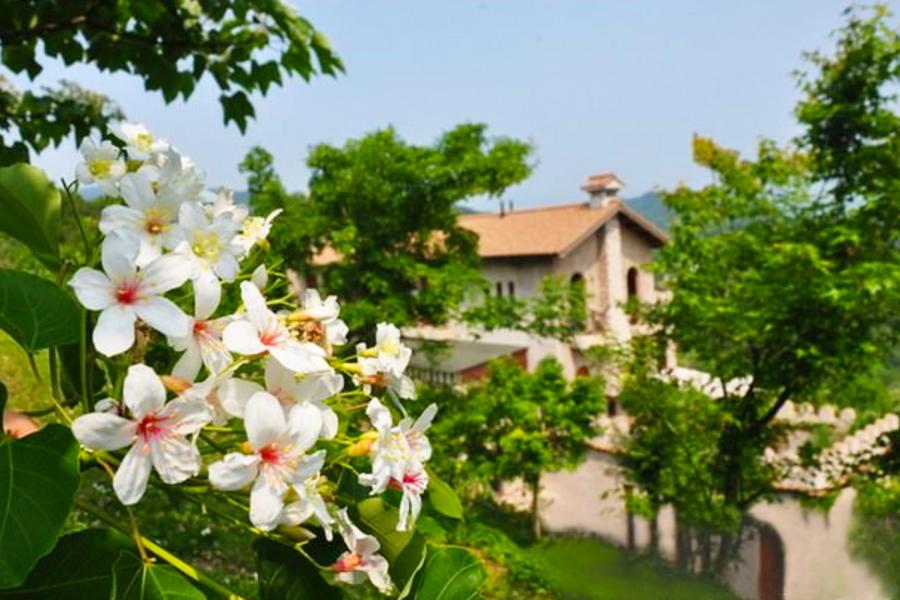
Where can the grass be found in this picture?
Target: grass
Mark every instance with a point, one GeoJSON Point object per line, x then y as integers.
{"type": "Point", "coordinates": [585, 568]}
{"type": "Point", "coordinates": [24, 391]}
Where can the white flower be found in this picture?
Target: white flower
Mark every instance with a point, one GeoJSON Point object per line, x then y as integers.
{"type": "Point", "coordinates": [392, 355]}
{"type": "Point", "coordinates": [224, 204]}
{"type": "Point", "coordinates": [278, 458]}
{"type": "Point", "coordinates": [157, 432]}
{"type": "Point", "coordinates": [226, 398]}
{"type": "Point", "coordinates": [122, 293]}
{"type": "Point", "coordinates": [412, 486]}
{"type": "Point", "coordinates": [203, 343]}
{"type": "Point", "coordinates": [102, 165]}
{"type": "Point", "coordinates": [291, 390]}
{"type": "Point", "coordinates": [179, 177]}
{"type": "Point", "coordinates": [398, 455]}
{"type": "Point", "coordinates": [318, 319]}
{"type": "Point", "coordinates": [208, 243]}
{"type": "Point", "coordinates": [148, 217]}
{"type": "Point", "coordinates": [140, 143]}
{"type": "Point", "coordinates": [361, 561]}
{"type": "Point", "coordinates": [255, 230]}
{"type": "Point", "coordinates": [309, 501]}
{"type": "Point", "coordinates": [384, 364]}
{"type": "Point", "coordinates": [262, 331]}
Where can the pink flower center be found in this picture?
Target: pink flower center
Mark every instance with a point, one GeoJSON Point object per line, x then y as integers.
{"type": "Point", "coordinates": [270, 455]}
{"type": "Point", "coordinates": [413, 482]}
{"type": "Point", "coordinates": [200, 327]}
{"type": "Point", "coordinates": [270, 338]}
{"type": "Point", "coordinates": [350, 561]}
{"type": "Point", "coordinates": [128, 292]}
{"type": "Point", "coordinates": [151, 427]}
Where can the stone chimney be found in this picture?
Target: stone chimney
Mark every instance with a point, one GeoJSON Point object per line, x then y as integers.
{"type": "Point", "coordinates": [602, 188]}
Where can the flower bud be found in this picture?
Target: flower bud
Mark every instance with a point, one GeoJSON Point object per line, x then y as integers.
{"type": "Point", "coordinates": [246, 448]}
{"type": "Point", "coordinates": [176, 385]}
{"type": "Point", "coordinates": [363, 446]}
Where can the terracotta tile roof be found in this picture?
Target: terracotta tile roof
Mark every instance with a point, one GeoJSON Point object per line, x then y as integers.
{"type": "Point", "coordinates": [551, 230]}
{"type": "Point", "coordinates": [547, 231]}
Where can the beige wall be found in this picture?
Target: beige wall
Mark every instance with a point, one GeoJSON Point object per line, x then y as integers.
{"type": "Point", "coordinates": [637, 251]}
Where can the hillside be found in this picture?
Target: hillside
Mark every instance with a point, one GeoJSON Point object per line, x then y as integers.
{"type": "Point", "coordinates": [651, 206]}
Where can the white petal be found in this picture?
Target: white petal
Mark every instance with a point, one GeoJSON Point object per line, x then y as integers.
{"type": "Point", "coordinates": [143, 391]}
{"type": "Point", "coordinates": [377, 569]}
{"type": "Point", "coordinates": [191, 415]}
{"type": "Point", "coordinates": [235, 393]}
{"type": "Point", "coordinates": [118, 253]}
{"type": "Point", "coordinates": [227, 268]}
{"type": "Point", "coordinates": [188, 366]}
{"type": "Point", "coordinates": [130, 480]}
{"type": "Point", "coordinates": [137, 191]}
{"type": "Point", "coordinates": [175, 459]}
{"type": "Point", "coordinates": [191, 216]}
{"type": "Point", "coordinates": [300, 358]}
{"type": "Point", "coordinates": [336, 332]}
{"type": "Point", "coordinates": [263, 420]}
{"type": "Point", "coordinates": [213, 352]}
{"type": "Point", "coordinates": [165, 273]}
{"type": "Point", "coordinates": [114, 331]}
{"type": "Point", "coordinates": [150, 250]}
{"type": "Point", "coordinates": [163, 315]}
{"type": "Point", "coordinates": [266, 502]}
{"type": "Point", "coordinates": [207, 294]}
{"type": "Point", "coordinates": [425, 419]}
{"type": "Point", "coordinates": [319, 386]}
{"type": "Point", "coordinates": [115, 217]}
{"type": "Point", "coordinates": [279, 380]}
{"type": "Point", "coordinates": [304, 425]}
{"type": "Point", "coordinates": [103, 431]}
{"type": "Point", "coordinates": [242, 337]}
{"type": "Point", "coordinates": [93, 289]}
{"type": "Point", "coordinates": [257, 311]}
{"type": "Point", "coordinates": [234, 472]}
{"type": "Point", "coordinates": [379, 415]}
{"type": "Point", "coordinates": [329, 423]}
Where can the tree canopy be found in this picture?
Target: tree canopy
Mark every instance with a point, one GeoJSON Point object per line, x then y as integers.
{"type": "Point", "coordinates": [245, 45]}
{"type": "Point", "coordinates": [388, 210]}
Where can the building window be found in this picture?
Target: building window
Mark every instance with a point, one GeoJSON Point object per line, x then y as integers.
{"type": "Point", "coordinates": [577, 278]}
{"type": "Point", "coordinates": [499, 289]}
{"type": "Point", "coordinates": [632, 281]}
{"type": "Point", "coordinates": [511, 289]}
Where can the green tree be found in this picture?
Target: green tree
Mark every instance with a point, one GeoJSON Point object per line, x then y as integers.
{"type": "Point", "coordinates": [246, 46]}
{"type": "Point", "coordinates": [388, 209]}
{"type": "Point", "coordinates": [559, 310]}
{"type": "Point", "coordinates": [515, 424]}
{"type": "Point", "coordinates": [786, 269]}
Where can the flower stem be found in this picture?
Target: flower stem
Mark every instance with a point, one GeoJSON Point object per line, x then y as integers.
{"type": "Point", "coordinates": [87, 245]}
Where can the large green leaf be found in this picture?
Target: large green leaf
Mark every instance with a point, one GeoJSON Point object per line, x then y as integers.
{"type": "Point", "coordinates": [29, 211]}
{"type": "Point", "coordinates": [36, 313]}
{"type": "Point", "coordinates": [285, 574]}
{"type": "Point", "coordinates": [404, 550]}
{"type": "Point", "coordinates": [450, 573]}
{"type": "Point", "coordinates": [38, 479]}
{"type": "Point", "coordinates": [134, 579]}
{"type": "Point", "coordinates": [443, 498]}
{"type": "Point", "coordinates": [80, 566]}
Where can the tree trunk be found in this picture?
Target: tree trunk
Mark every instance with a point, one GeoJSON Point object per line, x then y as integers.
{"type": "Point", "coordinates": [535, 507]}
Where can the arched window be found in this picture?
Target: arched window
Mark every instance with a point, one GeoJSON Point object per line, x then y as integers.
{"type": "Point", "coordinates": [577, 278]}
{"type": "Point", "coordinates": [499, 289]}
{"type": "Point", "coordinates": [511, 289]}
{"type": "Point", "coordinates": [632, 282]}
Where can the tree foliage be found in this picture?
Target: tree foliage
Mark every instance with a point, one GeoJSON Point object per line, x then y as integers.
{"type": "Point", "coordinates": [786, 268]}
{"type": "Point", "coordinates": [245, 46]}
{"type": "Point", "coordinates": [514, 424]}
{"type": "Point", "coordinates": [388, 210]}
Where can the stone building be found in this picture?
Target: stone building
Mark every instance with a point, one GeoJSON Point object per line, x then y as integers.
{"type": "Point", "coordinates": [600, 241]}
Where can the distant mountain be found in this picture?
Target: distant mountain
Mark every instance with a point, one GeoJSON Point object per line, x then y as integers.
{"type": "Point", "coordinates": [651, 206]}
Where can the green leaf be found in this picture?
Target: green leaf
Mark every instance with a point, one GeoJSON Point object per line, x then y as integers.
{"type": "Point", "coordinates": [38, 478]}
{"type": "Point", "coordinates": [137, 580]}
{"type": "Point", "coordinates": [80, 566]}
{"type": "Point", "coordinates": [36, 313]}
{"type": "Point", "coordinates": [450, 573]}
{"type": "Point", "coordinates": [3, 396]}
{"type": "Point", "coordinates": [443, 498]}
{"type": "Point", "coordinates": [285, 574]}
{"type": "Point", "coordinates": [404, 550]}
{"type": "Point", "coordinates": [29, 211]}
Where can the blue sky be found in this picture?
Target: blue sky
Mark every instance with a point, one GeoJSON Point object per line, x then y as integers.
{"type": "Point", "coordinates": [596, 86]}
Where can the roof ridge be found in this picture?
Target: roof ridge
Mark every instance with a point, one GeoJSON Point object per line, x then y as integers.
{"type": "Point", "coordinates": [569, 205]}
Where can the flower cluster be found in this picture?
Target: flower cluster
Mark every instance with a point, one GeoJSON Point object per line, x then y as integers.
{"type": "Point", "coordinates": [271, 377]}
{"type": "Point", "coordinates": [837, 463]}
